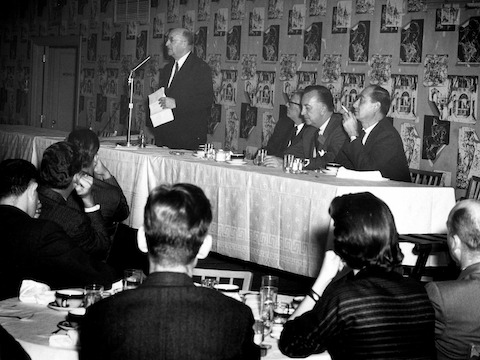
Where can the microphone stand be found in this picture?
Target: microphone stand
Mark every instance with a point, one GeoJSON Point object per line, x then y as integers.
{"type": "Point", "coordinates": [130, 104]}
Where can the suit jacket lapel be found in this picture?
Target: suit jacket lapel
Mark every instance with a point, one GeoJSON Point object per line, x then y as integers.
{"type": "Point", "coordinates": [181, 72]}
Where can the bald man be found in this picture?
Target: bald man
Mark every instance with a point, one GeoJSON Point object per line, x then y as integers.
{"type": "Point", "coordinates": [457, 302]}
{"type": "Point", "coordinates": [187, 80]}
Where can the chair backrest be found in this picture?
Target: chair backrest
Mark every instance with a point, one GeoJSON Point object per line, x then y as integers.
{"type": "Point", "coordinates": [241, 278]}
{"type": "Point", "coordinates": [473, 190]}
{"type": "Point", "coordinates": [431, 178]}
{"type": "Point", "coordinates": [104, 134]}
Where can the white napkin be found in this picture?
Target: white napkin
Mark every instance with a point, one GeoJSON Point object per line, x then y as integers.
{"type": "Point", "coordinates": [344, 173]}
{"type": "Point", "coordinates": [69, 341]}
{"type": "Point", "coordinates": [36, 293]}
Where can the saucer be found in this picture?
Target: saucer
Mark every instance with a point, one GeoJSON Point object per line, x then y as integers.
{"type": "Point", "coordinates": [236, 162]}
{"type": "Point", "coordinates": [53, 305]}
{"type": "Point", "coordinates": [329, 172]}
{"type": "Point", "coordinates": [66, 325]}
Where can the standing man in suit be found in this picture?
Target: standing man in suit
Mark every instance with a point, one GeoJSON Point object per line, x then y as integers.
{"type": "Point", "coordinates": [378, 146]}
{"type": "Point", "coordinates": [317, 109]}
{"type": "Point", "coordinates": [300, 139]}
{"type": "Point", "coordinates": [189, 93]}
{"type": "Point", "coordinates": [168, 317]}
{"type": "Point", "coordinates": [456, 302]}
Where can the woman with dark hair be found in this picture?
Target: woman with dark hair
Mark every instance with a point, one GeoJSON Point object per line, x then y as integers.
{"type": "Point", "coordinates": [372, 312]}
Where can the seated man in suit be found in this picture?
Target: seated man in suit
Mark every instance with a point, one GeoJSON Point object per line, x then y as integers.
{"type": "Point", "coordinates": [301, 137]}
{"type": "Point", "coordinates": [378, 146]}
{"type": "Point", "coordinates": [124, 253]}
{"type": "Point", "coordinates": [60, 175]}
{"type": "Point", "coordinates": [105, 188]}
{"type": "Point", "coordinates": [456, 302]}
{"type": "Point", "coordinates": [318, 110]}
{"type": "Point", "coordinates": [38, 249]}
{"type": "Point", "coordinates": [168, 317]}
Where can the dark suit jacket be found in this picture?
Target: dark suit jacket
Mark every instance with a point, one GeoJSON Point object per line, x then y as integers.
{"type": "Point", "coordinates": [383, 151]}
{"type": "Point", "coordinates": [88, 230]}
{"type": "Point", "coordinates": [113, 204]}
{"type": "Point", "coordinates": [10, 349]}
{"type": "Point", "coordinates": [40, 250]}
{"type": "Point", "coordinates": [278, 141]}
{"type": "Point", "coordinates": [331, 141]}
{"type": "Point", "coordinates": [457, 313]}
{"type": "Point", "coordinates": [168, 317]}
{"type": "Point", "coordinates": [192, 89]}
{"type": "Point", "coordinates": [303, 143]}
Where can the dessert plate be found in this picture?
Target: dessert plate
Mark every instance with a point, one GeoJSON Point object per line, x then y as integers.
{"type": "Point", "coordinates": [236, 162]}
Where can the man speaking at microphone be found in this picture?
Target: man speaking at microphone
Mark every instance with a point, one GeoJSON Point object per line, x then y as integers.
{"type": "Point", "coordinates": [188, 93]}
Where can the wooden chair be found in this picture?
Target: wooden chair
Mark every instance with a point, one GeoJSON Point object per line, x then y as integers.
{"type": "Point", "coordinates": [424, 246]}
{"type": "Point", "coordinates": [431, 178]}
{"type": "Point", "coordinates": [473, 190]}
{"type": "Point", "coordinates": [241, 278]}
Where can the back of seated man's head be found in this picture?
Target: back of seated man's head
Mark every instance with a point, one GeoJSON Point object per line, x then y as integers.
{"type": "Point", "coordinates": [15, 176]}
{"type": "Point", "coordinates": [60, 162]}
{"type": "Point", "coordinates": [87, 144]}
{"type": "Point", "coordinates": [176, 222]}
{"type": "Point", "coordinates": [464, 221]}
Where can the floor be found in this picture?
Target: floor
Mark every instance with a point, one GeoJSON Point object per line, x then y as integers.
{"type": "Point", "coordinates": [289, 283]}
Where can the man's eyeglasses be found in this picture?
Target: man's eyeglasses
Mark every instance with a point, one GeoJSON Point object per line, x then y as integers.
{"type": "Point", "coordinates": [294, 103]}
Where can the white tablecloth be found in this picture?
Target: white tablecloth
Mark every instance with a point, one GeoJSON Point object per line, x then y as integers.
{"type": "Point", "coordinates": [261, 214]}
{"type": "Point", "coordinates": [33, 332]}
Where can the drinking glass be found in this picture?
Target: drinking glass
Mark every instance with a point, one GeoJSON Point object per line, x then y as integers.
{"type": "Point", "coordinates": [93, 293]}
{"type": "Point", "coordinates": [258, 335]}
{"type": "Point", "coordinates": [281, 312]}
{"type": "Point", "coordinates": [209, 283]}
{"type": "Point", "coordinates": [270, 280]}
{"type": "Point", "coordinates": [288, 162]}
{"type": "Point", "coordinates": [132, 278]}
{"type": "Point", "coordinates": [268, 298]}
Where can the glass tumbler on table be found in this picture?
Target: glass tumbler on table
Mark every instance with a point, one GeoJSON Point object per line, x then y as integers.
{"type": "Point", "coordinates": [132, 278]}
{"type": "Point", "coordinates": [93, 293]}
{"type": "Point", "coordinates": [268, 298]}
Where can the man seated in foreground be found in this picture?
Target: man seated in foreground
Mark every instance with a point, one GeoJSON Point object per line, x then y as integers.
{"type": "Point", "coordinates": [373, 312]}
{"type": "Point", "coordinates": [378, 146]}
{"type": "Point", "coordinates": [34, 248]}
{"type": "Point", "coordinates": [456, 302]}
{"type": "Point", "coordinates": [60, 175]}
{"type": "Point", "coordinates": [168, 317]}
{"type": "Point", "coordinates": [105, 188]}
{"type": "Point", "coordinates": [301, 137]}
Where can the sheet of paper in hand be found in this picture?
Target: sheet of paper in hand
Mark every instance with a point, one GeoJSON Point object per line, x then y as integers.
{"type": "Point", "coordinates": [159, 115]}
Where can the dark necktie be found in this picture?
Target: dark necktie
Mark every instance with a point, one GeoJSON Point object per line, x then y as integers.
{"type": "Point", "coordinates": [294, 133]}
{"type": "Point", "coordinates": [175, 73]}
{"type": "Point", "coordinates": [361, 135]}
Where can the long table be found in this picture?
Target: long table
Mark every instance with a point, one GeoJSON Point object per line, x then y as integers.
{"type": "Point", "coordinates": [35, 323]}
{"type": "Point", "coordinates": [261, 214]}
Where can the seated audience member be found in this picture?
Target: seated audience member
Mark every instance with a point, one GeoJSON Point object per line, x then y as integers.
{"type": "Point", "coordinates": [10, 349]}
{"type": "Point", "coordinates": [456, 302]}
{"type": "Point", "coordinates": [378, 146]}
{"type": "Point", "coordinates": [38, 249]}
{"type": "Point", "coordinates": [60, 175]}
{"type": "Point", "coordinates": [300, 139]}
{"type": "Point", "coordinates": [105, 188]}
{"type": "Point", "coordinates": [318, 110]}
{"type": "Point", "coordinates": [168, 317]}
{"type": "Point", "coordinates": [373, 312]}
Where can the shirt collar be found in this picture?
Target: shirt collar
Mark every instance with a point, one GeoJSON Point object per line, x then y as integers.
{"type": "Point", "coordinates": [368, 131]}
{"type": "Point", "coordinates": [324, 126]}
{"type": "Point", "coordinates": [182, 60]}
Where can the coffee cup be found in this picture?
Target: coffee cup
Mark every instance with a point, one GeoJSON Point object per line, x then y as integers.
{"type": "Point", "coordinates": [69, 298]}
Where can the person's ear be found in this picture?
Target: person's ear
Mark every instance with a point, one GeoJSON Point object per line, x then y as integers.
{"type": "Point", "coordinates": [142, 240]}
{"type": "Point", "coordinates": [205, 248]}
{"type": "Point", "coordinates": [456, 247]}
{"type": "Point", "coordinates": [95, 159]}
